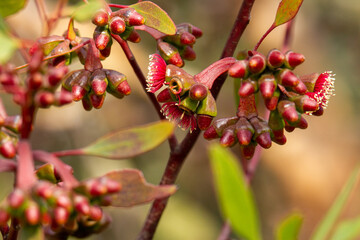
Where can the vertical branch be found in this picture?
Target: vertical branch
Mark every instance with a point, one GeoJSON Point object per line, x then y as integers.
{"type": "Point", "coordinates": [287, 37]}
{"type": "Point", "coordinates": [43, 16]}
{"type": "Point", "coordinates": [178, 156]}
{"type": "Point", "coordinates": [25, 177]}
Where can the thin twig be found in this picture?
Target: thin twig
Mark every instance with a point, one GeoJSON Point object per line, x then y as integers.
{"type": "Point", "coordinates": [178, 156]}
{"type": "Point", "coordinates": [287, 38]}
{"type": "Point", "coordinates": [44, 18]}
{"type": "Point", "coordinates": [225, 231]}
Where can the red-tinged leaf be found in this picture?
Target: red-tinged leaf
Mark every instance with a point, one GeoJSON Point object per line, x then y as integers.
{"type": "Point", "coordinates": [130, 142]}
{"type": "Point", "coordinates": [9, 7]}
{"type": "Point", "coordinates": [155, 17]}
{"type": "Point", "coordinates": [287, 10]}
{"type": "Point", "coordinates": [49, 43]}
{"type": "Point", "coordinates": [135, 190]}
{"type": "Point", "coordinates": [71, 34]}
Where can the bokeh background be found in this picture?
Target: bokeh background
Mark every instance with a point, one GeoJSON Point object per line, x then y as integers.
{"type": "Point", "coordinates": [304, 176]}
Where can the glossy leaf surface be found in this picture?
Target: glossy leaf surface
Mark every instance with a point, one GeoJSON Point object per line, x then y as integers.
{"type": "Point", "coordinates": [289, 228]}
{"type": "Point", "coordinates": [234, 196]}
{"type": "Point", "coordinates": [130, 142]}
{"type": "Point", "coordinates": [155, 17]}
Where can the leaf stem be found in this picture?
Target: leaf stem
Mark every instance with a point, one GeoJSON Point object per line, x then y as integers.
{"type": "Point", "coordinates": [178, 156]}
{"type": "Point", "coordinates": [225, 231]}
{"type": "Point", "coordinates": [264, 36]}
{"type": "Point", "coordinates": [43, 16]}
{"type": "Point", "coordinates": [117, 5]}
{"type": "Point", "coordinates": [287, 37]}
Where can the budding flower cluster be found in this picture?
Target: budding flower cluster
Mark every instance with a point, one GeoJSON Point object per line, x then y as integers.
{"type": "Point", "coordinates": [120, 23]}
{"type": "Point", "coordinates": [91, 87]}
{"type": "Point", "coordinates": [186, 101]}
{"type": "Point", "coordinates": [74, 211]}
{"type": "Point", "coordinates": [176, 48]}
{"type": "Point", "coordinates": [286, 95]}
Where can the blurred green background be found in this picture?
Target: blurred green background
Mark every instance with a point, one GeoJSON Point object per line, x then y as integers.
{"type": "Point", "coordinates": [305, 175]}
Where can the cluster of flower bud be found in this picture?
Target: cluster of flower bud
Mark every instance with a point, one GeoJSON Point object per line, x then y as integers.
{"type": "Point", "coordinates": [58, 209]}
{"type": "Point", "coordinates": [91, 86]}
{"type": "Point", "coordinates": [185, 101]}
{"type": "Point", "coordinates": [286, 95]}
{"type": "Point", "coordinates": [121, 23]}
{"type": "Point", "coordinates": [174, 49]}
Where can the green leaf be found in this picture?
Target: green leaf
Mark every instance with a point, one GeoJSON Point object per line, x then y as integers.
{"type": "Point", "coordinates": [286, 11]}
{"type": "Point", "coordinates": [49, 43]}
{"type": "Point", "coordinates": [135, 190]}
{"type": "Point", "coordinates": [85, 12]}
{"type": "Point", "coordinates": [8, 47]}
{"type": "Point", "coordinates": [32, 233]}
{"type": "Point", "coordinates": [234, 196]}
{"type": "Point", "coordinates": [327, 223]}
{"type": "Point", "coordinates": [347, 230]}
{"type": "Point", "coordinates": [155, 17]}
{"type": "Point", "coordinates": [8, 7]}
{"type": "Point", "coordinates": [130, 142]}
{"type": "Point", "coordinates": [289, 228]}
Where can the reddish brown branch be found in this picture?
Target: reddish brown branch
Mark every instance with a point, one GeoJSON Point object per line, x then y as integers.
{"type": "Point", "coordinates": [178, 156]}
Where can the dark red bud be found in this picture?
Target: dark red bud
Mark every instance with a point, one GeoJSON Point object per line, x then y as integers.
{"type": "Point", "coordinates": [44, 99]}
{"type": "Point", "coordinates": [288, 111]}
{"type": "Point", "coordinates": [228, 138]}
{"type": "Point", "coordinates": [56, 75]}
{"type": "Point", "coordinates": [300, 88]}
{"type": "Point", "coordinates": [319, 112]}
{"type": "Point", "coordinates": [96, 188]}
{"type": "Point", "coordinates": [102, 41]}
{"type": "Point", "coordinates": [99, 86]}
{"type": "Point", "coordinates": [279, 136]}
{"type": "Point", "coordinates": [97, 100]}
{"type": "Point", "coordinates": [187, 38]}
{"type": "Point", "coordinates": [4, 217]}
{"type": "Point", "coordinates": [267, 85]}
{"type": "Point", "coordinates": [44, 190]}
{"type": "Point", "coordinates": [294, 59]}
{"type": "Point", "coordinates": [100, 18]}
{"type": "Point", "coordinates": [13, 123]}
{"type": "Point", "coordinates": [204, 121]}
{"type": "Point", "coordinates": [106, 51]}
{"type": "Point", "coordinates": [275, 58]}
{"type": "Point", "coordinates": [16, 198]}
{"type": "Point", "coordinates": [198, 92]}
{"type": "Point", "coordinates": [271, 103]}
{"type": "Point", "coordinates": [32, 214]}
{"type": "Point", "coordinates": [257, 64]}
{"type": "Point", "coordinates": [264, 140]}
{"type": "Point", "coordinates": [86, 103]}
{"type": "Point", "coordinates": [302, 123]}
{"type": "Point", "coordinates": [117, 25]}
{"type": "Point", "coordinates": [63, 97]}
{"type": "Point", "coordinates": [176, 60]}
{"type": "Point", "coordinates": [289, 128]}
{"type": "Point", "coordinates": [164, 96]}
{"type": "Point", "coordinates": [35, 80]}
{"type": "Point", "coordinates": [248, 151]}
{"type": "Point", "coordinates": [78, 92]}
{"type": "Point", "coordinates": [61, 215]}
{"type": "Point", "coordinates": [210, 133]}
{"type": "Point", "coordinates": [134, 37]}
{"type": "Point", "coordinates": [288, 78]}
{"type": "Point", "coordinates": [239, 69]}
{"type": "Point", "coordinates": [135, 19]}
{"type": "Point", "coordinates": [247, 88]}
{"type": "Point", "coordinates": [244, 136]}
{"type": "Point", "coordinates": [95, 213]}
{"type": "Point", "coordinates": [196, 31]}
{"type": "Point", "coordinates": [124, 88]}
{"type": "Point", "coordinates": [188, 53]}
{"type": "Point", "coordinates": [8, 149]}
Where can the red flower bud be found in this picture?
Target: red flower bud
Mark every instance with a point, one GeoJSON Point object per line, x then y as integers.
{"type": "Point", "coordinates": [279, 137]}
{"type": "Point", "coordinates": [100, 18]}
{"type": "Point", "coordinates": [244, 131]}
{"type": "Point", "coordinates": [239, 69]}
{"type": "Point", "coordinates": [44, 99]}
{"type": "Point", "coordinates": [275, 59]}
{"type": "Point", "coordinates": [188, 53]}
{"type": "Point", "coordinates": [117, 25]}
{"type": "Point", "coordinates": [81, 205]}
{"type": "Point", "coordinates": [7, 149]}
{"type": "Point", "coordinates": [247, 88]}
{"type": "Point", "coordinates": [35, 80]}
{"type": "Point", "coordinates": [187, 38]}
{"type": "Point", "coordinates": [228, 138]}
{"type": "Point", "coordinates": [101, 37]}
{"type": "Point", "coordinates": [98, 82]}
{"type": "Point", "coordinates": [293, 59]}
{"type": "Point", "coordinates": [124, 88]}
{"type": "Point", "coordinates": [61, 215]}
{"type": "Point", "coordinates": [4, 217]}
{"type": "Point", "coordinates": [287, 78]}
{"type": "Point", "coordinates": [198, 92]}
{"type": "Point", "coordinates": [257, 64]}
{"type": "Point", "coordinates": [16, 198]}
{"type": "Point", "coordinates": [267, 85]}
{"type": "Point", "coordinates": [204, 121]}
{"type": "Point", "coordinates": [97, 100]}
{"type": "Point", "coordinates": [164, 96]}
{"type": "Point", "coordinates": [56, 75]}
{"type": "Point", "coordinates": [95, 213]}
{"type": "Point", "coordinates": [288, 112]}
{"type": "Point", "coordinates": [248, 151]}
{"type": "Point", "coordinates": [32, 214]}
{"type": "Point", "coordinates": [211, 133]}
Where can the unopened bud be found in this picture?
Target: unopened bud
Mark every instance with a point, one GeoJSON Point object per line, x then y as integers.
{"type": "Point", "coordinates": [164, 96]}
{"type": "Point", "coordinates": [278, 136]}
{"type": "Point", "coordinates": [293, 59]}
{"type": "Point", "coordinates": [32, 214]}
{"type": "Point", "coordinates": [61, 215]}
{"type": "Point", "coordinates": [275, 59]}
{"type": "Point", "coordinates": [95, 213]}
{"type": "Point", "coordinates": [81, 205]}
{"type": "Point", "coordinates": [98, 82]}
{"type": "Point", "coordinates": [7, 148]}
{"type": "Point", "coordinates": [101, 18]}
{"type": "Point", "coordinates": [56, 75]}
{"type": "Point", "coordinates": [305, 104]}
{"type": "Point", "coordinates": [4, 217]}
{"type": "Point", "coordinates": [288, 111]}
{"type": "Point", "coordinates": [133, 18]}
{"type": "Point", "coordinates": [271, 103]}
{"type": "Point", "coordinates": [240, 69]}
{"type": "Point", "coordinates": [257, 64]}
{"type": "Point", "coordinates": [267, 85]}
{"type": "Point", "coordinates": [63, 97]}
{"type": "Point", "coordinates": [13, 123]}
{"type": "Point", "coordinates": [16, 198]}
{"type": "Point", "coordinates": [117, 25]}
{"type": "Point", "coordinates": [134, 37]}
{"type": "Point", "coordinates": [204, 121]}
{"type": "Point", "coordinates": [287, 78]}
{"type": "Point", "coordinates": [187, 38]}
{"type": "Point", "coordinates": [300, 88]}
{"type": "Point", "coordinates": [170, 53]}
{"type": "Point", "coordinates": [198, 92]}
{"type": "Point", "coordinates": [44, 99]}
{"type": "Point", "coordinates": [101, 37]}
{"type": "Point", "coordinates": [188, 53]}
{"type": "Point", "coordinates": [247, 151]}
{"type": "Point", "coordinates": [35, 80]}
{"type": "Point", "coordinates": [228, 138]}
{"type": "Point", "coordinates": [86, 103]}
{"type": "Point", "coordinates": [248, 87]}
{"type": "Point", "coordinates": [262, 132]}
{"type": "Point", "coordinates": [244, 131]}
